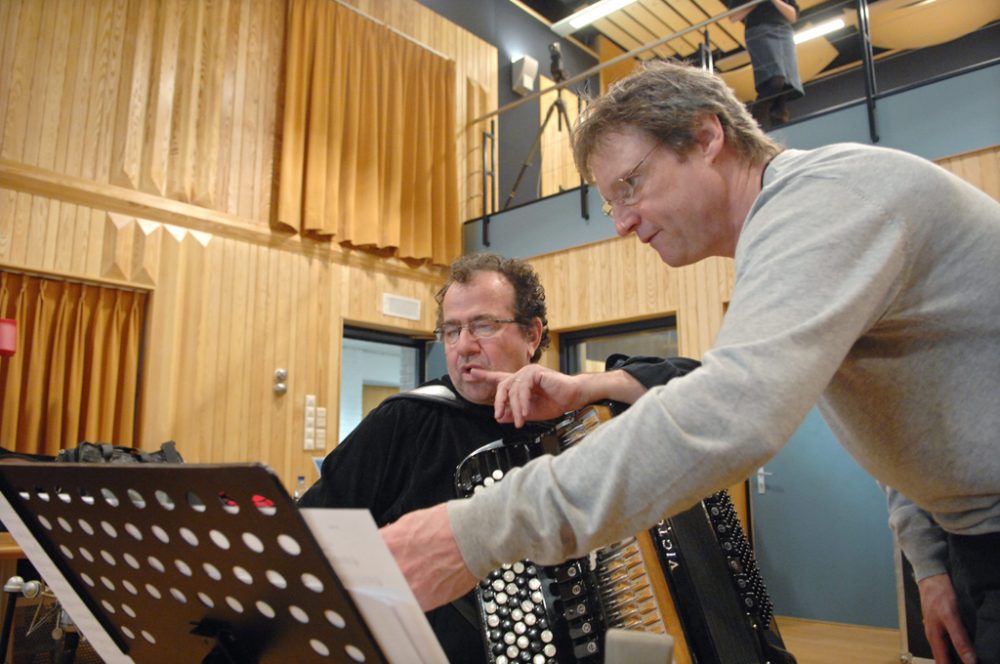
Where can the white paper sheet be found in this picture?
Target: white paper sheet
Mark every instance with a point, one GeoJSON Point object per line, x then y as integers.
{"type": "Point", "coordinates": [367, 569]}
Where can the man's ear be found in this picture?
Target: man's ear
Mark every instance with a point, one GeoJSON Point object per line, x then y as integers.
{"type": "Point", "coordinates": [710, 135]}
{"type": "Point", "coordinates": [534, 332]}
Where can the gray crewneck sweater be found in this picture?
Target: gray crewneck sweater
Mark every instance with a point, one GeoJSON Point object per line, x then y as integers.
{"type": "Point", "coordinates": [867, 280]}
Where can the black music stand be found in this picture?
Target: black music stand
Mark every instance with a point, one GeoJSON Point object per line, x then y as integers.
{"type": "Point", "coordinates": [185, 563]}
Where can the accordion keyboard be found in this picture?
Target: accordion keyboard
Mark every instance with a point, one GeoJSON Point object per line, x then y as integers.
{"type": "Point", "coordinates": [692, 576]}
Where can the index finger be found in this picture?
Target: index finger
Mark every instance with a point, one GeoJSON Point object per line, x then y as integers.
{"type": "Point", "coordinates": [488, 376]}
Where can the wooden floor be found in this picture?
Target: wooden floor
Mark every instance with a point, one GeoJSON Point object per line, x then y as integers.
{"type": "Point", "coordinates": [816, 642]}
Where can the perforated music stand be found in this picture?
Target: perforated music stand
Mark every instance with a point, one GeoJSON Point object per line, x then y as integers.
{"type": "Point", "coordinates": [192, 563]}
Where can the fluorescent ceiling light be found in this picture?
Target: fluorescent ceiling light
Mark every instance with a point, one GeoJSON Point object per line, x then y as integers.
{"type": "Point", "coordinates": [588, 15]}
{"type": "Point", "coordinates": [819, 30]}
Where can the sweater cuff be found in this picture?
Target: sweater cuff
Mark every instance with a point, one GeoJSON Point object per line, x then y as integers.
{"type": "Point", "coordinates": [467, 529]}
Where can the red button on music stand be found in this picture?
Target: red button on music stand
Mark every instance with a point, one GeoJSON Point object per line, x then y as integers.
{"type": "Point", "coordinates": [8, 337]}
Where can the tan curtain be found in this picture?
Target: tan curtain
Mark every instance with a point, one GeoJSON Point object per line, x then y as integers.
{"type": "Point", "coordinates": [368, 147]}
{"type": "Point", "coordinates": [76, 368]}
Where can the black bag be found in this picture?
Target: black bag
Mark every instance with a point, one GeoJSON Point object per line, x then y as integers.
{"type": "Point", "coordinates": [104, 453]}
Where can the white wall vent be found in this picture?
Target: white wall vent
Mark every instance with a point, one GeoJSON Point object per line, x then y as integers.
{"type": "Point", "coordinates": [400, 307]}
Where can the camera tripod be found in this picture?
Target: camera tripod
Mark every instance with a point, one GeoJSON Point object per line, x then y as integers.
{"type": "Point", "coordinates": [557, 106]}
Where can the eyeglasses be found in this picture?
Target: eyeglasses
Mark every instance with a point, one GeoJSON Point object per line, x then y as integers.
{"type": "Point", "coordinates": [624, 192]}
{"type": "Point", "coordinates": [481, 328]}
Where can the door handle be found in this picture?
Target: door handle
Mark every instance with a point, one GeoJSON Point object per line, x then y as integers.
{"type": "Point", "coordinates": [761, 481]}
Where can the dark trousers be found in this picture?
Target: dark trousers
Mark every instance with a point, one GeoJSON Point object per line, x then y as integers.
{"type": "Point", "coordinates": [975, 572]}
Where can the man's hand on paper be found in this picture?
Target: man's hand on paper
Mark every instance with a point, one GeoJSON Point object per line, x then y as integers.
{"type": "Point", "coordinates": [425, 549]}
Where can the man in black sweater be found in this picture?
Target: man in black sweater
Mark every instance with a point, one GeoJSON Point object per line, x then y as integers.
{"type": "Point", "coordinates": [403, 455]}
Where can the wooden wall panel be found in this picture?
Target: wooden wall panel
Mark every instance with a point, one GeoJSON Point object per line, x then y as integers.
{"type": "Point", "coordinates": [223, 315]}
{"type": "Point", "coordinates": [183, 99]}
{"type": "Point", "coordinates": [138, 142]}
{"type": "Point", "coordinates": [980, 167]}
{"type": "Point", "coordinates": [170, 98]}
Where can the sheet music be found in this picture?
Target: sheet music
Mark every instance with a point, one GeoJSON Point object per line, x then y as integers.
{"type": "Point", "coordinates": [367, 569]}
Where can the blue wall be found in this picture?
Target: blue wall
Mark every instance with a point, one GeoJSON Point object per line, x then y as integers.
{"type": "Point", "coordinates": [938, 120]}
{"type": "Point", "coordinates": [952, 116]}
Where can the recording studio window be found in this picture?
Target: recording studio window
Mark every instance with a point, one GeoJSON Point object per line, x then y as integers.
{"type": "Point", "coordinates": [375, 365]}
{"type": "Point", "coordinates": [585, 351]}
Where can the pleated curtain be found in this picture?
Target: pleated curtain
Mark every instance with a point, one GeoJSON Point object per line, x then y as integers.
{"type": "Point", "coordinates": [75, 373]}
{"type": "Point", "coordinates": [369, 139]}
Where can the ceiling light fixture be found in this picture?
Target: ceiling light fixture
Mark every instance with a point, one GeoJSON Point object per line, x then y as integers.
{"type": "Point", "coordinates": [588, 15]}
{"type": "Point", "coordinates": [819, 30]}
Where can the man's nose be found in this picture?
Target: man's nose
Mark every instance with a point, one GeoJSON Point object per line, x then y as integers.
{"type": "Point", "coordinates": [625, 220]}
{"type": "Point", "coordinates": [466, 342]}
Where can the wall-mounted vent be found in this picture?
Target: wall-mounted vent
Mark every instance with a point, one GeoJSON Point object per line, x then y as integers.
{"type": "Point", "coordinates": [400, 307]}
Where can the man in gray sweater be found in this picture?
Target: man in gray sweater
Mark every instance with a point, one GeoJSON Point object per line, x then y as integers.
{"type": "Point", "coordinates": [867, 280]}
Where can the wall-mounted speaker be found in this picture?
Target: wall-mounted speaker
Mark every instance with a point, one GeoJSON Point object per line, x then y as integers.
{"type": "Point", "coordinates": [523, 72]}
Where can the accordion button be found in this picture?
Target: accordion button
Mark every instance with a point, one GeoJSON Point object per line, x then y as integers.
{"type": "Point", "coordinates": [490, 607]}
{"type": "Point", "coordinates": [516, 614]}
{"type": "Point", "coordinates": [522, 642]}
{"type": "Point", "coordinates": [538, 659]}
{"type": "Point", "coordinates": [528, 605]}
{"type": "Point", "coordinates": [502, 659]}
{"type": "Point", "coordinates": [546, 636]}
{"type": "Point", "coordinates": [530, 619]}
{"type": "Point", "coordinates": [497, 474]}
{"type": "Point", "coordinates": [493, 620]}
{"type": "Point", "coordinates": [511, 589]}
{"type": "Point", "coordinates": [518, 568]}
{"type": "Point", "coordinates": [520, 628]}
{"type": "Point", "coordinates": [549, 650]}
{"type": "Point", "coordinates": [534, 584]}
{"type": "Point", "coordinates": [536, 597]}
{"type": "Point", "coordinates": [498, 585]}
{"type": "Point", "coordinates": [509, 638]}
{"type": "Point", "coordinates": [509, 575]}
{"type": "Point", "coordinates": [512, 651]}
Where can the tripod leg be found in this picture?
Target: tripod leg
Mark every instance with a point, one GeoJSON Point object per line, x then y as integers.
{"type": "Point", "coordinates": [531, 154]}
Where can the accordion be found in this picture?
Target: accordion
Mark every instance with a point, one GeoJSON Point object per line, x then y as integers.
{"type": "Point", "coordinates": [692, 576]}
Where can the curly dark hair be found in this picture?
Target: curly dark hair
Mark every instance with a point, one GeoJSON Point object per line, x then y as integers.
{"type": "Point", "coordinates": [529, 295]}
